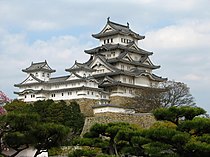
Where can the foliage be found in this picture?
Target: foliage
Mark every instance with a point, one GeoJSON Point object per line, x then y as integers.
{"type": "Point", "coordinates": [44, 124]}
{"type": "Point", "coordinates": [62, 113]}
{"type": "Point", "coordinates": [178, 133]}
{"type": "Point", "coordinates": [48, 135]}
{"type": "Point", "coordinates": [55, 151]}
{"type": "Point", "coordinates": [17, 106]}
{"type": "Point", "coordinates": [175, 114]}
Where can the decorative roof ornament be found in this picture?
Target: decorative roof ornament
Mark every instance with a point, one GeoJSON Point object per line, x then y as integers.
{"type": "Point", "coordinates": [108, 19]}
{"type": "Point", "coordinates": [127, 24]}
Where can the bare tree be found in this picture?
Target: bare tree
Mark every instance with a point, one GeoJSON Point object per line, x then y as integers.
{"type": "Point", "coordinates": [177, 94]}
{"type": "Point", "coordinates": [147, 99]}
{"type": "Point", "coordinates": [170, 94]}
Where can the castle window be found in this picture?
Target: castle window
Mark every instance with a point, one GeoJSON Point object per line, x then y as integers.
{"type": "Point", "coordinates": [122, 67]}
{"type": "Point", "coordinates": [130, 91]}
{"type": "Point", "coordinates": [111, 40]}
{"type": "Point", "coordinates": [48, 75]}
{"type": "Point", "coordinates": [113, 54]}
{"type": "Point", "coordinates": [107, 40]}
{"type": "Point", "coordinates": [122, 40]}
{"type": "Point", "coordinates": [69, 93]}
{"type": "Point", "coordinates": [104, 41]}
{"type": "Point", "coordinates": [124, 79]}
{"type": "Point", "coordinates": [25, 96]}
{"type": "Point", "coordinates": [88, 92]}
{"type": "Point", "coordinates": [62, 94]}
{"type": "Point", "coordinates": [36, 75]}
{"type": "Point", "coordinates": [130, 81]}
{"type": "Point", "coordinates": [56, 86]}
{"type": "Point", "coordinates": [53, 95]}
{"type": "Point", "coordinates": [92, 93]}
{"type": "Point", "coordinates": [42, 74]}
{"type": "Point", "coordinates": [108, 55]}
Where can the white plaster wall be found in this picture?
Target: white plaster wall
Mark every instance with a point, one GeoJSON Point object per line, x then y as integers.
{"type": "Point", "coordinates": [142, 81]}
{"type": "Point", "coordinates": [108, 109]}
{"type": "Point", "coordinates": [112, 109]}
{"type": "Point", "coordinates": [39, 75]}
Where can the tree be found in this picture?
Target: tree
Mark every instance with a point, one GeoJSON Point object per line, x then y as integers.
{"type": "Point", "coordinates": [170, 94]}
{"type": "Point", "coordinates": [147, 99]}
{"type": "Point", "coordinates": [175, 114]}
{"type": "Point", "coordinates": [44, 124]}
{"type": "Point", "coordinates": [104, 136]}
{"type": "Point", "coordinates": [61, 113]}
{"type": "Point", "coordinates": [177, 94]}
{"type": "Point", "coordinates": [180, 132]}
{"type": "Point", "coordinates": [15, 132]}
{"type": "Point", "coordinates": [48, 135]}
{"type": "Point", "coordinates": [17, 106]}
{"type": "Point", "coordinates": [193, 133]}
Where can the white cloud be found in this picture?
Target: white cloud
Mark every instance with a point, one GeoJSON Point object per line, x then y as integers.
{"type": "Point", "coordinates": [17, 53]}
{"type": "Point", "coordinates": [42, 25]}
{"type": "Point", "coordinates": [184, 35]}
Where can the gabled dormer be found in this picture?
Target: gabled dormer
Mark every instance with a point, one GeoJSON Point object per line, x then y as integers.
{"type": "Point", "coordinates": [40, 70]}
{"type": "Point", "coordinates": [114, 33]}
{"type": "Point", "coordinates": [31, 79]}
{"type": "Point", "coordinates": [80, 69]}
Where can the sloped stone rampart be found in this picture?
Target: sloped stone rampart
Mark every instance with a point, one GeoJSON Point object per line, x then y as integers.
{"type": "Point", "coordinates": [144, 120]}
{"type": "Point", "coordinates": [121, 101]}
{"type": "Point", "coordinates": [86, 106]}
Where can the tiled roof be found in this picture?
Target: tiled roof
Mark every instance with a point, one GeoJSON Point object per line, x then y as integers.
{"type": "Point", "coordinates": [118, 29]}
{"type": "Point", "coordinates": [114, 60]}
{"type": "Point", "coordinates": [40, 66]}
{"type": "Point", "coordinates": [109, 47]}
{"type": "Point", "coordinates": [79, 66]}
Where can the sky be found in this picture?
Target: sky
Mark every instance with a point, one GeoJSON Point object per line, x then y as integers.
{"type": "Point", "coordinates": [176, 31]}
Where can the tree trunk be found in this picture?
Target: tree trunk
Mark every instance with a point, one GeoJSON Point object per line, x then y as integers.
{"type": "Point", "coordinates": [37, 153]}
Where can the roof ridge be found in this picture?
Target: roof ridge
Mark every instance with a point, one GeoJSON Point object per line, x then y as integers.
{"type": "Point", "coordinates": [118, 24]}
{"type": "Point", "coordinates": [38, 63]}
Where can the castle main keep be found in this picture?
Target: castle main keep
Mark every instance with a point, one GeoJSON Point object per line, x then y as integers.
{"type": "Point", "coordinates": [116, 68]}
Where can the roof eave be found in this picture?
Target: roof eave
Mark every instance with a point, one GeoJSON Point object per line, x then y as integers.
{"type": "Point", "coordinates": [34, 70]}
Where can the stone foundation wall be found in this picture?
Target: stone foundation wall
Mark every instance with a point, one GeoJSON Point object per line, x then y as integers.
{"type": "Point", "coordinates": [144, 120]}
{"type": "Point", "coordinates": [86, 106]}
{"type": "Point", "coordinates": [121, 101]}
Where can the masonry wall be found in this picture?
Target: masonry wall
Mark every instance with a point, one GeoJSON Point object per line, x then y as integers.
{"type": "Point", "coordinates": [121, 101]}
{"type": "Point", "coordinates": [86, 106]}
{"type": "Point", "coordinates": [144, 120]}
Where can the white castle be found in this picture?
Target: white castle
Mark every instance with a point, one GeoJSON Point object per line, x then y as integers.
{"type": "Point", "coordinates": [117, 67]}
